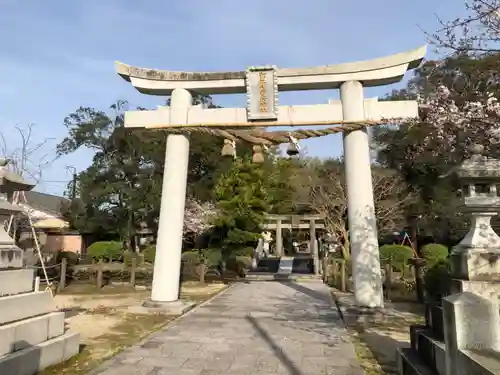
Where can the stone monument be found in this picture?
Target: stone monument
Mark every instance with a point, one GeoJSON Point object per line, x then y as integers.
{"type": "Point", "coordinates": [32, 334]}
{"type": "Point", "coordinates": [11, 256]}
{"type": "Point", "coordinates": [262, 86]}
{"type": "Point", "coordinates": [266, 238]}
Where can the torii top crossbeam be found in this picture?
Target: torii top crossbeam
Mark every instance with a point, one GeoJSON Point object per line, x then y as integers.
{"type": "Point", "coordinates": [375, 72]}
{"type": "Point", "coordinates": [262, 86]}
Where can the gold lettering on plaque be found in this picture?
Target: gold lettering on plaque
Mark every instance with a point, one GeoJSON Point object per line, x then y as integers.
{"type": "Point", "coordinates": [262, 90]}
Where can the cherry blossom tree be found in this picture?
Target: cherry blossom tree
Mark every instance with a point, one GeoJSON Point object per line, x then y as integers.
{"type": "Point", "coordinates": [459, 106]}
{"type": "Point", "coordinates": [452, 127]}
{"type": "Point", "coordinates": [197, 217]}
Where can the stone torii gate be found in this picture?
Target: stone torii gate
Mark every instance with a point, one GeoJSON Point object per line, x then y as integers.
{"type": "Point", "coordinates": [262, 85]}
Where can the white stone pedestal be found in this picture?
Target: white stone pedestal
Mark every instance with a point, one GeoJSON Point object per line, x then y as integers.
{"type": "Point", "coordinates": [178, 307]}
{"type": "Point", "coordinates": [11, 256]}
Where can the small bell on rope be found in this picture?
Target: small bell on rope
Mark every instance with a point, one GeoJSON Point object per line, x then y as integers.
{"type": "Point", "coordinates": [293, 147]}
{"type": "Point", "coordinates": [258, 156]}
{"type": "Point", "coordinates": [229, 148]}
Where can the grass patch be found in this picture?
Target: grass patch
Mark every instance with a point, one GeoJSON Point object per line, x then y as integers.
{"type": "Point", "coordinates": [376, 342]}
{"type": "Point", "coordinates": [377, 338]}
{"type": "Point", "coordinates": [366, 358]}
{"type": "Point", "coordinates": [131, 329]}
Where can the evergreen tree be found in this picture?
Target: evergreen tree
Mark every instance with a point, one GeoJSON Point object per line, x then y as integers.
{"type": "Point", "coordinates": [242, 202]}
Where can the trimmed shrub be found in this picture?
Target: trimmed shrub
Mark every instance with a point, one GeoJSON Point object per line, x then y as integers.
{"type": "Point", "coordinates": [245, 252]}
{"type": "Point", "coordinates": [437, 280]}
{"type": "Point", "coordinates": [86, 275]}
{"type": "Point", "coordinates": [398, 254]}
{"type": "Point", "coordinates": [239, 264]}
{"type": "Point", "coordinates": [128, 256]}
{"type": "Point", "coordinates": [71, 257]}
{"type": "Point", "coordinates": [105, 250]}
{"type": "Point", "coordinates": [433, 253]}
{"type": "Point", "coordinates": [191, 256]}
{"type": "Point", "coordinates": [211, 256]}
{"type": "Point", "coordinates": [149, 254]}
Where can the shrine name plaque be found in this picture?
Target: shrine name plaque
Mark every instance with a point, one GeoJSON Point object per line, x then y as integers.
{"type": "Point", "coordinates": [262, 93]}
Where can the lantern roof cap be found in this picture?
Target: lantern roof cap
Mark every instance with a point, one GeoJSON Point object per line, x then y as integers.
{"type": "Point", "coordinates": [478, 166]}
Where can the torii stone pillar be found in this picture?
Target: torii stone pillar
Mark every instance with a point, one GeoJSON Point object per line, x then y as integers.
{"type": "Point", "coordinates": [166, 273]}
{"type": "Point", "coordinates": [313, 245]}
{"type": "Point", "coordinates": [279, 239]}
{"type": "Point", "coordinates": [262, 86]}
{"type": "Point", "coordinates": [361, 208]}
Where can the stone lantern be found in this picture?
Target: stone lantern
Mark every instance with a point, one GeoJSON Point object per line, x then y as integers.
{"type": "Point", "coordinates": [11, 256]}
{"type": "Point", "coordinates": [477, 256]}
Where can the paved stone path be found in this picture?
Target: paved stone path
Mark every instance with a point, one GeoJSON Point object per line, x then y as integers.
{"type": "Point", "coordinates": [255, 328]}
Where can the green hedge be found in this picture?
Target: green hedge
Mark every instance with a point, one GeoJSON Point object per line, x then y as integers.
{"type": "Point", "coordinates": [212, 256]}
{"type": "Point", "coordinates": [144, 275]}
{"type": "Point", "coordinates": [88, 275]}
{"type": "Point", "coordinates": [434, 253]}
{"type": "Point", "coordinates": [398, 254]}
{"type": "Point", "coordinates": [239, 262]}
{"type": "Point", "coordinates": [149, 254]}
{"type": "Point", "coordinates": [245, 252]}
{"type": "Point", "coordinates": [71, 257]}
{"type": "Point", "coordinates": [105, 250]}
{"type": "Point", "coordinates": [129, 255]}
{"type": "Point", "coordinates": [437, 280]}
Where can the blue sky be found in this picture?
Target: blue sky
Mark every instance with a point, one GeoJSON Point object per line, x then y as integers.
{"type": "Point", "coordinates": [58, 55]}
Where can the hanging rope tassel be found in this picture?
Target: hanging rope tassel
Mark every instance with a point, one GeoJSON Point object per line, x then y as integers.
{"type": "Point", "coordinates": [293, 147]}
{"type": "Point", "coordinates": [258, 154]}
{"type": "Point", "coordinates": [229, 148]}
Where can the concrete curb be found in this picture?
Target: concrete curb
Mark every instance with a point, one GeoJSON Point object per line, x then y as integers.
{"type": "Point", "coordinates": [340, 309]}
{"type": "Point", "coordinates": [334, 301]}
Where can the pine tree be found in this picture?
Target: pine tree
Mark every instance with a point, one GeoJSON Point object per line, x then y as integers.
{"type": "Point", "coordinates": [242, 202]}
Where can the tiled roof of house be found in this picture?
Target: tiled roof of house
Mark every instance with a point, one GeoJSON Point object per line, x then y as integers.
{"type": "Point", "coordinates": [45, 202]}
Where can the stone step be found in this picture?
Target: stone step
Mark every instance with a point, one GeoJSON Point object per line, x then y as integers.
{"type": "Point", "coordinates": [267, 277]}
{"type": "Point", "coordinates": [409, 363]}
{"type": "Point", "coordinates": [26, 305]}
{"type": "Point", "coordinates": [29, 332]}
{"type": "Point", "coordinates": [269, 264]}
{"type": "Point", "coordinates": [286, 265]}
{"type": "Point", "coordinates": [430, 349]}
{"type": "Point", "coordinates": [16, 281]}
{"type": "Point", "coordinates": [33, 359]}
{"type": "Point", "coordinates": [303, 265]}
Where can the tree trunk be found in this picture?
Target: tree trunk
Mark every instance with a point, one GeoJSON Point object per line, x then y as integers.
{"type": "Point", "coordinates": [202, 273]}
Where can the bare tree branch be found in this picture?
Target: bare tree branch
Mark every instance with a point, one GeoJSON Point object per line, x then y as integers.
{"type": "Point", "coordinates": [476, 33]}
{"type": "Point", "coordinates": [328, 197]}
{"type": "Point", "coordinates": [27, 157]}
